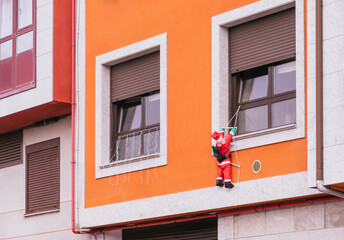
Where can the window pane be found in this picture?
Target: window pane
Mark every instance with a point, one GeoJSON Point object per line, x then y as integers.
{"type": "Point", "coordinates": [285, 77]}
{"type": "Point", "coordinates": [283, 112]}
{"type": "Point", "coordinates": [6, 76]}
{"type": "Point", "coordinates": [128, 147]}
{"type": "Point", "coordinates": [24, 13]}
{"type": "Point", "coordinates": [25, 42]}
{"type": "Point", "coordinates": [254, 88]}
{"type": "Point", "coordinates": [253, 119]}
{"type": "Point", "coordinates": [153, 109]}
{"type": "Point", "coordinates": [151, 142]}
{"type": "Point", "coordinates": [5, 49]}
{"type": "Point", "coordinates": [24, 69]}
{"type": "Point", "coordinates": [6, 20]}
{"type": "Point", "coordinates": [131, 118]}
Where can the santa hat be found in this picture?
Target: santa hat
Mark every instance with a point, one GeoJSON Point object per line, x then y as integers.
{"type": "Point", "coordinates": [217, 136]}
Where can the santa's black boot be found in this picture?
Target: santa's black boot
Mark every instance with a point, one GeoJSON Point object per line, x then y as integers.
{"type": "Point", "coordinates": [229, 185]}
{"type": "Point", "coordinates": [219, 183]}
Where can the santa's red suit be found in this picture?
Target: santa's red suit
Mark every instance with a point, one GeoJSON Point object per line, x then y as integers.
{"type": "Point", "coordinates": [224, 165]}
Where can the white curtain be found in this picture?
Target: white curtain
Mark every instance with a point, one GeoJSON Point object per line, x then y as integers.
{"type": "Point", "coordinates": [24, 13]}
{"type": "Point", "coordinates": [6, 49]}
{"type": "Point", "coordinates": [6, 20]}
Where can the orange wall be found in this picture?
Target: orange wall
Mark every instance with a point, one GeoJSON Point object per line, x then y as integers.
{"type": "Point", "coordinates": [114, 24]}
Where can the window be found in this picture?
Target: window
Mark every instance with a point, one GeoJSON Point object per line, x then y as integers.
{"type": "Point", "coordinates": [136, 117]}
{"type": "Point", "coordinates": [43, 177]}
{"type": "Point", "coordinates": [266, 96]}
{"type": "Point", "coordinates": [17, 40]}
{"type": "Point", "coordinates": [138, 127]}
{"type": "Point", "coordinates": [11, 149]}
{"type": "Point", "coordinates": [258, 63]}
{"type": "Point", "coordinates": [131, 108]}
{"type": "Point", "coordinates": [264, 90]}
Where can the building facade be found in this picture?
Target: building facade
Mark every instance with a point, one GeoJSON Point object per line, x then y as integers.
{"type": "Point", "coordinates": [114, 142]}
{"type": "Point", "coordinates": [158, 77]}
{"type": "Point", "coordinates": [35, 119]}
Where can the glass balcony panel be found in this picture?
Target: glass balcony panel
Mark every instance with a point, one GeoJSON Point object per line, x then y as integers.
{"type": "Point", "coordinates": [6, 83]}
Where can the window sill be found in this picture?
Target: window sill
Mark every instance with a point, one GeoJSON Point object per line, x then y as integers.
{"type": "Point", "coordinates": [267, 136]}
{"type": "Point", "coordinates": [264, 132]}
{"type": "Point", "coordinates": [40, 213]}
{"type": "Point", "coordinates": [131, 165]}
{"type": "Point", "coordinates": [132, 160]}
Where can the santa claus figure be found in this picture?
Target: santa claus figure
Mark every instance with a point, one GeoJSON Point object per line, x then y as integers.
{"type": "Point", "coordinates": [223, 155]}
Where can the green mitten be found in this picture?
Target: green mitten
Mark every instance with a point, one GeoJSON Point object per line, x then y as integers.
{"type": "Point", "coordinates": [222, 130]}
{"type": "Point", "coordinates": [233, 130]}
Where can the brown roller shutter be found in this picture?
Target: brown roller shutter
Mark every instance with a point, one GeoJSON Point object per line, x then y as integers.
{"type": "Point", "coordinates": [135, 77]}
{"type": "Point", "coordinates": [262, 41]}
{"type": "Point", "coordinates": [11, 149]}
{"type": "Point", "coordinates": [193, 230]}
{"type": "Point", "coordinates": [43, 176]}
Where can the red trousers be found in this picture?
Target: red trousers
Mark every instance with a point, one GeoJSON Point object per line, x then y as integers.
{"type": "Point", "coordinates": [224, 170]}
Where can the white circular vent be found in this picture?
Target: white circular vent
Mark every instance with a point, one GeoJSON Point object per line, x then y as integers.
{"type": "Point", "coordinates": [256, 166]}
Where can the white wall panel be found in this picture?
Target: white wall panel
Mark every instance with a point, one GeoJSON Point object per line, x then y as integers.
{"type": "Point", "coordinates": [44, 42]}
{"type": "Point", "coordinates": [13, 185]}
{"type": "Point", "coordinates": [35, 225]}
{"type": "Point", "coordinates": [12, 204]}
{"type": "Point", "coordinates": [306, 222]}
{"type": "Point", "coordinates": [45, 13]}
{"type": "Point", "coordinates": [41, 3]}
{"type": "Point", "coordinates": [27, 99]}
{"type": "Point", "coordinates": [333, 50]}
{"type": "Point", "coordinates": [58, 235]}
{"type": "Point", "coordinates": [333, 88]}
{"type": "Point", "coordinates": [333, 91]}
{"type": "Point", "coordinates": [334, 164]}
{"type": "Point", "coordinates": [44, 66]}
{"type": "Point", "coordinates": [333, 20]}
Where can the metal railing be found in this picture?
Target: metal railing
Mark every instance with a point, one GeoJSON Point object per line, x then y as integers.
{"type": "Point", "coordinates": [137, 145]}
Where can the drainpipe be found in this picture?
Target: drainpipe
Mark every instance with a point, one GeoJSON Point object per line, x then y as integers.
{"type": "Point", "coordinates": [319, 104]}
{"type": "Point", "coordinates": [73, 118]}
{"type": "Point", "coordinates": [73, 125]}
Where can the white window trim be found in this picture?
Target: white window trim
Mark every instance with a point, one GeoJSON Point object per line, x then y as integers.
{"type": "Point", "coordinates": [220, 72]}
{"type": "Point", "coordinates": [103, 106]}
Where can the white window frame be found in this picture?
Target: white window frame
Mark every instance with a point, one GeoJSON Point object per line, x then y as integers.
{"type": "Point", "coordinates": [220, 72]}
{"type": "Point", "coordinates": [103, 105]}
